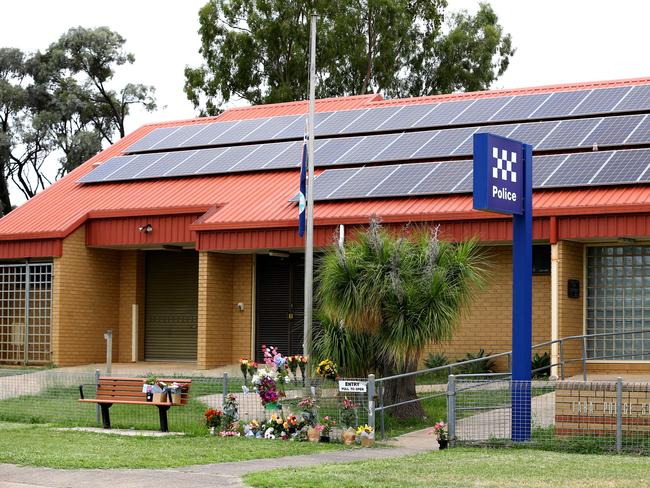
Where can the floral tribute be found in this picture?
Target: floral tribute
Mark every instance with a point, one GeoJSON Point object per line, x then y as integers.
{"type": "Point", "coordinates": [308, 410]}
{"type": "Point", "coordinates": [296, 363]}
{"type": "Point", "coordinates": [248, 368]}
{"type": "Point", "coordinates": [213, 417]}
{"type": "Point", "coordinates": [348, 414]}
{"type": "Point", "coordinates": [327, 369]}
{"type": "Point", "coordinates": [230, 416]}
{"type": "Point", "coordinates": [269, 381]}
{"type": "Point", "coordinates": [440, 431]}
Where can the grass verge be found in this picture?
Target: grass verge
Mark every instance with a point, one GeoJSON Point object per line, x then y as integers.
{"type": "Point", "coordinates": [463, 467]}
{"type": "Point", "coordinates": [47, 447]}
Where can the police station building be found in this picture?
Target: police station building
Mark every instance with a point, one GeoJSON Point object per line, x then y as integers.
{"type": "Point", "coordinates": [182, 237]}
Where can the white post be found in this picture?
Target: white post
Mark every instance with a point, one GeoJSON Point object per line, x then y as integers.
{"type": "Point", "coordinates": [309, 242]}
{"type": "Point", "coordinates": [134, 333]}
{"type": "Point", "coordinates": [554, 309]}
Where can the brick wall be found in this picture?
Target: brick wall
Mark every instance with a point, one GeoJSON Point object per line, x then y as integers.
{"type": "Point", "coordinates": [242, 292]}
{"type": "Point", "coordinates": [570, 310]}
{"type": "Point", "coordinates": [488, 323]}
{"type": "Point", "coordinates": [132, 289]}
{"type": "Point", "coordinates": [85, 302]}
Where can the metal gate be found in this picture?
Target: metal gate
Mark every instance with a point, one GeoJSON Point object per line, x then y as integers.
{"type": "Point", "coordinates": [25, 313]}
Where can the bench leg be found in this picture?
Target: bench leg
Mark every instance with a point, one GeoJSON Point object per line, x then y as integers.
{"type": "Point", "coordinates": [162, 412]}
{"type": "Point", "coordinates": [106, 418]}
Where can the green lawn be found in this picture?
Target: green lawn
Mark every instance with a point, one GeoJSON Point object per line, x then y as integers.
{"type": "Point", "coordinates": [45, 446]}
{"type": "Point", "coordinates": [462, 467]}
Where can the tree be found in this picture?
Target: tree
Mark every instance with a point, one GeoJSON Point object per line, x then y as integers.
{"type": "Point", "coordinates": [406, 293]}
{"type": "Point", "coordinates": [257, 50]}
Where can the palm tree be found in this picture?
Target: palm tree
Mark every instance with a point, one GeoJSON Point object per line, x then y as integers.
{"type": "Point", "coordinates": [406, 292]}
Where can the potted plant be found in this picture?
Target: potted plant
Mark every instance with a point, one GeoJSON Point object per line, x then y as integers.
{"type": "Point", "coordinates": [367, 435]}
{"type": "Point", "coordinates": [213, 419]}
{"type": "Point", "coordinates": [441, 433]}
{"type": "Point", "coordinates": [348, 417]}
{"type": "Point", "coordinates": [327, 369]}
{"type": "Point", "coordinates": [326, 425]}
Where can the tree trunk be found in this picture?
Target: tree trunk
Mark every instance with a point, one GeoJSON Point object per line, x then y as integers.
{"type": "Point", "coordinates": [401, 390]}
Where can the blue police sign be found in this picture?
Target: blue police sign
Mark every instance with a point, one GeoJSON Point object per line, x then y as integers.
{"type": "Point", "coordinates": [503, 183]}
{"type": "Point", "coordinates": [498, 174]}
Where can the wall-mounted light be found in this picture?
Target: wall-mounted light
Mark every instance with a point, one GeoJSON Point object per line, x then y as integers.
{"type": "Point", "coordinates": [240, 306]}
{"type": "Point", "coordinates": [279, 254]}
{"type": "Point", "coordinates": [147, 228]}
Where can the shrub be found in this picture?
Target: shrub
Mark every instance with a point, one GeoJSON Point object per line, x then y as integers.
{"type": "Point", "coordinates": [542, 364]}
{"type": "Point", "coordinates": [435, 360]}
{"type": "Point", "coordinates": [477, 367]}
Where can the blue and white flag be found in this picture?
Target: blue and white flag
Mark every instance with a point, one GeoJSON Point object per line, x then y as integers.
{"type": "Point", "coordinates": [302, 196]}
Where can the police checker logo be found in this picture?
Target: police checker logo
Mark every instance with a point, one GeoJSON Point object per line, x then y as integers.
{"type": "Point", "coordinates": [498, 174]}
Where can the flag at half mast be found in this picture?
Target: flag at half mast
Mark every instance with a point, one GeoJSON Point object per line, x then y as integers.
{"type": "Point", "coordinates": [302, 196]}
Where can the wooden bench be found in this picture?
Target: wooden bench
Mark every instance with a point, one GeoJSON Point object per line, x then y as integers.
{"type": "Point", "coordinates": [128, 391]}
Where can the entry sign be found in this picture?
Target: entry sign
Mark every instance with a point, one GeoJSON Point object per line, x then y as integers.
{"type": "Point", "coordinates": [503, 183]}
{"type": "Point", "coordinates": [498, 174]}
{"type": "Point", "coordinates": [348, 386]}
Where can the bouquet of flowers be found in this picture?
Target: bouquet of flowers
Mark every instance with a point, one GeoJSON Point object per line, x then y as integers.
{"type": "Point", "coordinates": [265, 384]}
{"type": "Point", "coordinates": [365, 431]}
{"type": "Point", "coordinates": [213, 417]}
{"type": "Point", "coordinates": [230, 412]}
{"type": "Point", "coordinates": [327, 423]}
{"type": "Point", "coordinates": [276, 362]}
{"type": "Point", "coordinates": [327, 369]}
{"type": "Point", "coordinates": [348, 414]}
{"type": "Point", "coordinates": [308, 410]}
{"type": "Point", "coordinates": [292, 362]}
{"type": "Point", "coordinates": [440, 431]}
{"type": "Point", "coordinates": [247, 368]}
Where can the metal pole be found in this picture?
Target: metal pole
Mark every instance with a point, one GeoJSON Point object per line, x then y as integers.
{"type": "Point", "coordinates": [27, 312]}
{"type": "Point", "coordinates": [371, 401]}
{"type": "Point", "coordinates": [224, 392]}
{"type": "Point", "coordinates": [309, 242]}
{"type": "Point", "coordinates": [619, 414]}
{"type": "Point", "coordinates": [96, 388]}
{"type": "Point", "coordinates": [381, 406]}
{"type": "Point", "coordinates": [451, 408]}
{"type": "Point", "coordinates": [584, 359]}
{"type": "Point", "coordinates": [562, 358]}
{"type": "Point", "coordinates": [109, 351]}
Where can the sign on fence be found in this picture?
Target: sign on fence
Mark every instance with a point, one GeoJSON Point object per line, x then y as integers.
{"type": "Point", "coordinates": [350, 386]}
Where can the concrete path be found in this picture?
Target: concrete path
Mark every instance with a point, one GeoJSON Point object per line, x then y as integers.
{"type": "Point", "coordinates": [218, 475]}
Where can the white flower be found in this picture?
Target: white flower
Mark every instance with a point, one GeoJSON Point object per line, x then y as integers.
{"type": "Point", "coordinates": [245, 389]}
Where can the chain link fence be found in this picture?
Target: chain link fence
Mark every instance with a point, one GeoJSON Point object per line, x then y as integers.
{"type": "Point", "coordinates": [51, 397]}
{"type": "Point", "coordinates": [594, 416]}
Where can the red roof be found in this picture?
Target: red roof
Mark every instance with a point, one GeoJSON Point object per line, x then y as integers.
{"type": "Point", "coordinates": [257, 200]}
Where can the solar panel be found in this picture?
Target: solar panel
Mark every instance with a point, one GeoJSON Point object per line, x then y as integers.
{"type": "Point", "coordinates": [641, 132]}
{"type": "Point", "coordinates": [239, 131]}
{"type": "Point", "coordinates": [407, 117]}
{"type": "Point", "coordinates": [569, 133]}
{"type": "Point", "coordinates": [520, 107]}
{"type": "Point", "coordinates": [637, 99]}
{"type": "Point", "coordinates": [198, 160]}
{"type": "Point", "coordinates": [295, 129]}
{"type": "Point", "coordinates": [578, 170]}
{"type": "Point", "coordinates": [329, 181]}
{"type": "Point", "coordinates": [402, 180]}
{"type": "Point", "coordinates": [444, 179]}
{"type": "Point", "coordinates": [154, 137]}
{"type": "Point", "coordinates": [445, 143]}
{"type": "Point", "coordinates": [135, 166]}
{"type": "Point", "coordinates": [483, 109]}
{"type": "Point", "coordinates": [533, 133]}
{"type": "Point", "coordinates": [612, 130]}
{"type": "Point", "coordinates": [601, 101]}
{"type": "Point", "coordinates": [329, 153]}
{"type": "Point", "coordinates": [405, 146]}
{"type": "Point", "coordinates": [290, 158]}
{"type": "Point", "coordinates": [166, 163]}
{"type": "Point", "coordinates": [443, 113]}
{"type": "Point", "coordinates": [266, 155]}
{"type": "Point", "coordinates": [105, 169]}
{"type": "Point", "coordinates": [367, 148]}
{"type": "Point", "coordinates": [266, 132]}
{"type": "Point", "coordinates": [560, 103]}
{"type": "Point", "coordinates": [372, 119]}
{"type": "Point", "coordinates": [227, 160]}
{"type": "Point", "coordinates": [467, 147]}
{"type": "Point", "coordinates": [624, 167]}
{"type": "Point", "coordinates": [337, 122]}
{"type": "Point", "coordinates": [205, 137]}
{"type": "Point", "coordinates": [179, 136]}
{"type": "Point", "coordinates": [363, 182]}
{"type": "Point", "coordinates": [545, 166]}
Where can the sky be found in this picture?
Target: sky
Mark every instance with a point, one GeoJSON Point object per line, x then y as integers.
{"type": "Point", "coordinates": [556, 41]}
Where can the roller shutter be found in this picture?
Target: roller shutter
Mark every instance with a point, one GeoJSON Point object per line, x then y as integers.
{"type": "Point", "coordinates": [171, 305]}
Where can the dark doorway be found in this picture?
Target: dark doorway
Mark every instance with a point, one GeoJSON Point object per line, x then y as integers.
{"type": "Point", "coordinates": [279, 303]}
{"type": "Point", "coordinates": [171, 305]}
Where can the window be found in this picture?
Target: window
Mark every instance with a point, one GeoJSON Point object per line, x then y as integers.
{"type": "Point", "coordinates": [542, 259]}
{"type": "Point", "coordinates": [618, 300]}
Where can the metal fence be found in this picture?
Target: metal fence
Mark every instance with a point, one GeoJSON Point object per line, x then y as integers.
{"type": "Point", "coordinates": [25, 313]}
{"type": "Point", "coordinates": [568, 415]}
{"type": "Point", "coordinates": [51, 396]}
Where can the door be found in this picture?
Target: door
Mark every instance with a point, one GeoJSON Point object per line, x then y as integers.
{"type": "Point", "coordinates": [171, 305]}
{"type": "Point", "coordinates": [279, 303]}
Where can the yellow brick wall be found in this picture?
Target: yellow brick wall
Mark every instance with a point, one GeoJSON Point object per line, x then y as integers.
{"type": "Point", "coordinates": [132, 289]}
{"type": "Point", "coordinates": [488, 323]}
{"type": "Point", "coordinates": [224, 332]}
{"type": "Point", "coordinates": [85, 302]}
{"type": "Point", "coordinates": [570, 310]}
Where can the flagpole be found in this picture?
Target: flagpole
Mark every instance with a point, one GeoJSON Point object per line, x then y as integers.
{"type": "Point", "coordinates": [309, 242]}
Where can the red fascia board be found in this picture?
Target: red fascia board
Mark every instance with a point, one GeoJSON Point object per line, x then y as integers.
{"type": "Point", "coordinates": [147, 212]}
